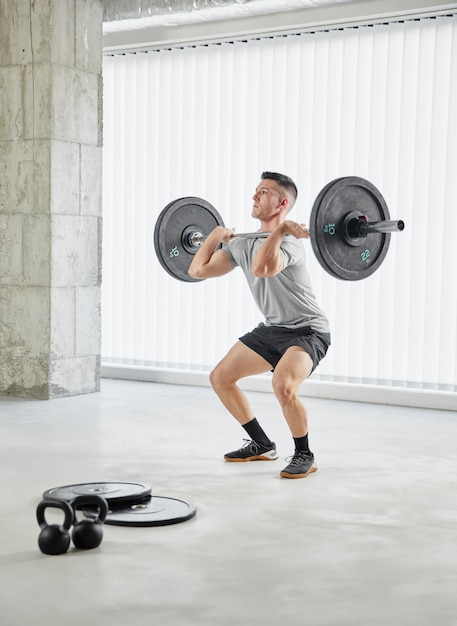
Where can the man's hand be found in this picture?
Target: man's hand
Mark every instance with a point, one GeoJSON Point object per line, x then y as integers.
{"type": "Point", "coordinates": [299, 231]}
{"type": "Point", "coordinates": [224, 234]}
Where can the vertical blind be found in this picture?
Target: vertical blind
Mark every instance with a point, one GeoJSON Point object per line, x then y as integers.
{"type": "Point", "coordinates": [376, 101]}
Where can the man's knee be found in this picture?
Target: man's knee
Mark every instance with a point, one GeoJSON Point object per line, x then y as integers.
{"type": "Point", "coordinates": [220, 378]}
{"type": "Point", "coordinates": [214, 377]}
{"type": "Point", "coordinates": [283, 389]}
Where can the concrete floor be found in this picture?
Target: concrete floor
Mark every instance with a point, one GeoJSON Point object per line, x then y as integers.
{"type": "Point", "coordinates": [370, 539]}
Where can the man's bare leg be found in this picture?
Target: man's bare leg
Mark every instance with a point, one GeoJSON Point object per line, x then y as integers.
{"type": "Point", "coordinates": [241, 362]}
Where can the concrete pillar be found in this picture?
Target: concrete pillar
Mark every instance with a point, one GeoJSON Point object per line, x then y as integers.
{"type": "Point", "coordinates": [50, 196]}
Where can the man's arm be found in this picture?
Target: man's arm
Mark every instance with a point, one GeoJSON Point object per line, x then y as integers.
{"type": "Point", "coordinates": [269, 260]}
{"type": "Point", "coordinates": [209, 262]}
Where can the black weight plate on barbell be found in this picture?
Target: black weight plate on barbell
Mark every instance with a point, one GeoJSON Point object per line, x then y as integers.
{"type": "Point", "coordinates": [336, 255]}
{"type": "Point", "coordinates": [152, 511]}
{"type": "Point", "coordinates": [171, 224]}
{"type": "Point", "coordinates": [113, 492]}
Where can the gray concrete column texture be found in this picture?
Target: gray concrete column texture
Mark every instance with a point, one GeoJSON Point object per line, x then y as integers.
{"type": "Point", "coordinates": [50, 197]}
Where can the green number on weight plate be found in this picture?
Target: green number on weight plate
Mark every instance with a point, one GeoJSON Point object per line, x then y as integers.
{"type": "Point", "coordinates": [329, 229]}
{"type": "Point", "coordinates": [365, 256]}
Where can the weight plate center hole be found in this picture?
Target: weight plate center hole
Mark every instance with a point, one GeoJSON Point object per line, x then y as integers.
{"type": "Point", "coordinates": [191, 239]}
{"type": "Point", "coordinates": [351, 231]}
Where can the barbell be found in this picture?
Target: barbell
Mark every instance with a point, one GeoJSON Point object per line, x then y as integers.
{"type": "Point", "coordinates": [349, 228]}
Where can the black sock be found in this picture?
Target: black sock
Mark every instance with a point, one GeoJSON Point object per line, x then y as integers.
{"type": "Point", "coordinates": [301, 444]}
{"type": "Point", "coordinates": [256, 433]}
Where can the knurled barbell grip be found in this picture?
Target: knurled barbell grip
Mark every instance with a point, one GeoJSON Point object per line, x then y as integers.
{"type": "Point", "coordinates": [254, 235]}
{"type": "Point", "coordinates": [197, 239]}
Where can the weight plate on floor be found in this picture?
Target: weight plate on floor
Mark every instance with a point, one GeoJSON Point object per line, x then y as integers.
{"type": "Point", "coordinates": [341, 256]}
{"type": "Point", "coordinates": [113, 492]}
{"type": "Point", "coordinates": [171, 234]}
{"type": "Point", "coordinates": [152, 511]}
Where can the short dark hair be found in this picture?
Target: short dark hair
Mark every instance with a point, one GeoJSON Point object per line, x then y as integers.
{"type": "Point", "coordinates": [285, 182]}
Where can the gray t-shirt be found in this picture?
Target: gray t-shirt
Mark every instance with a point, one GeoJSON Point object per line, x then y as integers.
{"type": "Point", "coordinates": [286, 299]}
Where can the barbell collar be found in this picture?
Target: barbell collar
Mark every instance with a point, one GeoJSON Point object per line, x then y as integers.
{"type": "Point", "coordinates": [383, 226]}
{"type": "Point", "coordinates": [357, 227]}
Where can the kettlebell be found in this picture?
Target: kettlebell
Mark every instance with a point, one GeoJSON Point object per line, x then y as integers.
{"type": "Point", "coordinates": [87, 533]}
{"type": "Point", "coordinates": [54, 538]}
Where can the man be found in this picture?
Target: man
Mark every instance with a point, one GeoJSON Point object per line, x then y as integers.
{"type": "Point", "coordinates": [295, 335]}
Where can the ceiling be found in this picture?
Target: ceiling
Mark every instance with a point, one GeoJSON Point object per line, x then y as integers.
{"type": "Point", "coordinates": [134, 25]}
{"type": "Point", "coordinates": [121, 15]}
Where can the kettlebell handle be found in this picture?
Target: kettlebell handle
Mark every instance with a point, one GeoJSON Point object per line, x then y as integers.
{"type": "Point", "coordinates": [91, 499]}
{"type": "Point", "coordinates": [55, 504]}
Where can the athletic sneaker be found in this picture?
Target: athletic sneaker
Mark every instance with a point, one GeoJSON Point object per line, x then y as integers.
{"type": "Point", "coordinates": [253, 451]}
{"type": "Point", "coordinates": [301, 464]}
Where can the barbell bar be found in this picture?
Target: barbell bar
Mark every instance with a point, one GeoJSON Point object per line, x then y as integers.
{"type": "Point", "coordinates": [350, 229]}
{"type": "Point", "coordinates": [356, 227]}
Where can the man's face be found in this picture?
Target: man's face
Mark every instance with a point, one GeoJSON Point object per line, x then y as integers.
{"type": "Point", "coordinates": [267, 200]}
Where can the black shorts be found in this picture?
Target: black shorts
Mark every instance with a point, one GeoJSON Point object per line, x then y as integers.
{"type": "Point", "coordinates": [271, 342]}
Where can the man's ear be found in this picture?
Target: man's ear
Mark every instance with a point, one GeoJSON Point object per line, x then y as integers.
{"type": "Point", "coordinates": [284, 204]}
